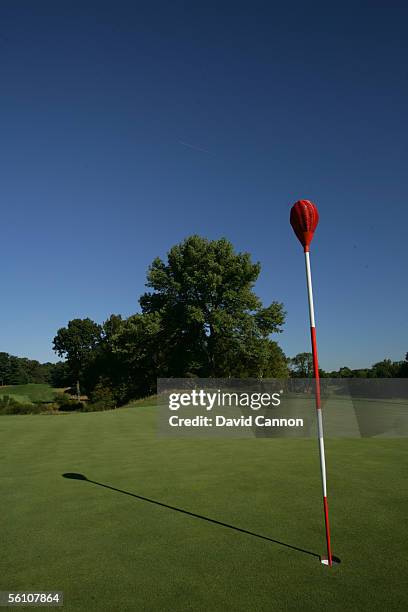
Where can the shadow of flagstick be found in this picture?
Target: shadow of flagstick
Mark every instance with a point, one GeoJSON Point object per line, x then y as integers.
{"type": "Point", "coordinates": [74, 476]}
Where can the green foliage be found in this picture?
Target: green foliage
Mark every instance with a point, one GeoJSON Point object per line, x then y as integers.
{"type": "Point", "coordinates": [4, 368]}
{"type": "Point", "coordinates": [65, 403]}
{"type": "Point", "coordinates": [60, 375]}
{"type": "Point", "coordinates": [345, 372]}
{"type": "Point", "coordinates": [76, 342]}
{"type": "Point", "coordinates": [382, 369]}
{"type": "Point", "coordinates": [403, 373]}
{"type": "Point", "coordinates": [127, 358]}
{"type": "Point", "coordinates": [20, 370]}
{"type": "Point", "coordinates": [102, 398]}
{"type": "Point", "coordinates": [201, 318]}
{"type": "Point", "coordinates": [9, 405]}
{"type": "Point", "coordinates": [136, 350]}
{"type": "Point", "coordinates": [302, 365]}
{"type": "Point", "coordinates": [387, 369]}
{"type": "Point", "coordinates": [211, 320]}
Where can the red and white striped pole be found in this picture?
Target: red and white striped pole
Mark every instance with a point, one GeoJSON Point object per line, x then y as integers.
{"type": "Point", "coordinates": [304, 218]}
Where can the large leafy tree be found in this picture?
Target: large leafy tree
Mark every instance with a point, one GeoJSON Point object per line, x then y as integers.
{"type": "Point", "coordinates": [212, 322]}
{"type": "Point", "coordinates": [76, 342]}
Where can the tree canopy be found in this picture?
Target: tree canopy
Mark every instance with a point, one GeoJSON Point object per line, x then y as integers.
{"type": "Point", "coordinates": [76, 343]}
{"type": "Point", "coordinates": [212, 322]}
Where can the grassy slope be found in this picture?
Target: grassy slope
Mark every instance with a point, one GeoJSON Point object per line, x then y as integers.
{"type": "Point", "coordinates": [110, 551]}
{"type": "Point", "coordinates": [29, 393]}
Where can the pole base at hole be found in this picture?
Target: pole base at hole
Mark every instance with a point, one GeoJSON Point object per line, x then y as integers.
{"type": "Point", "coordinates": [325, 561]}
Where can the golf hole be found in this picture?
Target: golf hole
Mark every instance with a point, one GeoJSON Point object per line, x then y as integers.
{"type": "Point", "coordinates": [325, 561]}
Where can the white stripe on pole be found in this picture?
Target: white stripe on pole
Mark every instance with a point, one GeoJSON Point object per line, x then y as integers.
{"type": "Point", "coordinates": [309, 289]}
{"type": "Point", "coordinates": [321, 451]}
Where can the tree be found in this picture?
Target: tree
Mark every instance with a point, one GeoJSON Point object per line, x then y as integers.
{"type": "Point", "coordinates": [386, 369]}
{"type": "Point", "coordinates": [211, 321]}
{"type": "Point", "coordinates": [263, 358]}
{"type": "Point", "coordinates": [136, 359]}
{"type": "Point", "coordinates": [17, 373]}
{"type": "Point", "coordinates": [42, 372]}
{"type": "Point", "coordinates": [403, 373]}
{"type": "Point", "coordinates": [4, 368]}
{"type": "Point", "coordinates": [128, 359]}
{"type": "Point", "coordinates": [60, 375]}
{"type": "Point", "coordinates": [302, 365]}
{"type": "Point", "coordinates": [76, 343]}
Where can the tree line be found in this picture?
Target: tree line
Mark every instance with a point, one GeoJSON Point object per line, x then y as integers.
{"type": "Point", "coordinates": [301, 366]}
{"type": "Point", "coordinates": [200, 317]}
{"type": "Point", "coordinates": [20, 371]}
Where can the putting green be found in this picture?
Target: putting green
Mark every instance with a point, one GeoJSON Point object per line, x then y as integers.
{"type": "Point", "coordinates": [111, 551]}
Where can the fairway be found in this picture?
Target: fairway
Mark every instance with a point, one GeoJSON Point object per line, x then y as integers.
{"type": "Point", "coordinates": [111, 551]}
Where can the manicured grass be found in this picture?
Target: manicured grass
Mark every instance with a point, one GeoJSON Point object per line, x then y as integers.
{"type": "Point", "coordinates": [29, 393]}
{"type": "Point", "coordinates": [111, 551]}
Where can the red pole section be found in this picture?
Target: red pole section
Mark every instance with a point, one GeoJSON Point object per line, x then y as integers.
{"type": "Point", "coordinates": [304, 218]}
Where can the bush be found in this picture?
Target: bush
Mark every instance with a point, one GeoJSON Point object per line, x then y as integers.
{"type": "Point", "coordinates": [49, 408]}
{"type": "Point", "coordinates": [101, 398]}
{"type": "Point", "coordinates": [67, 404]}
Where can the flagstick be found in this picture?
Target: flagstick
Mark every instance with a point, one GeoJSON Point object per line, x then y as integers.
{"type": "Point", "coordinates": [318, 404]}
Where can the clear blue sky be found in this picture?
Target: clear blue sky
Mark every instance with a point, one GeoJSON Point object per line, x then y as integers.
{"type": "Point", "coordinates": [280, 101]}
